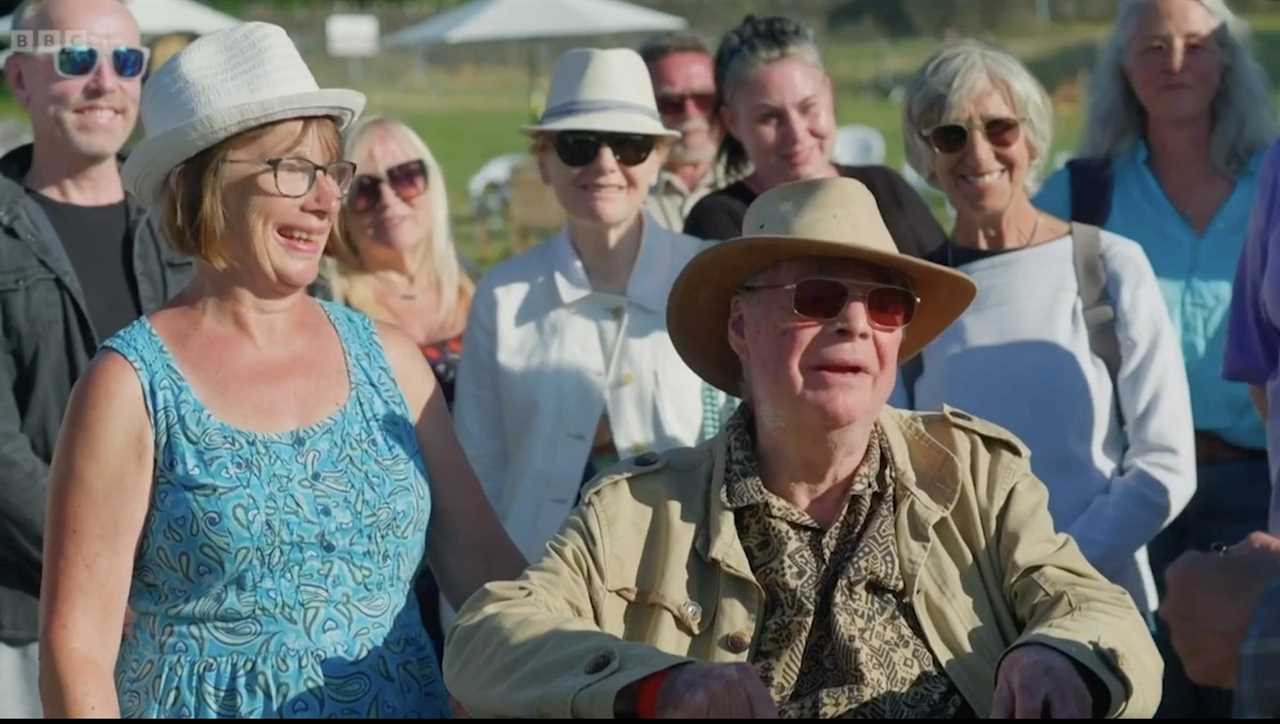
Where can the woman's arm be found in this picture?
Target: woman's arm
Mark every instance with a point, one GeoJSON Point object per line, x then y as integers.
{"type": "Point", "coordinates": [1157, 475]}
{"type": "Point", "coordinates": [467, 546]}
{"type": "Point", "coordinates": [99, 489]}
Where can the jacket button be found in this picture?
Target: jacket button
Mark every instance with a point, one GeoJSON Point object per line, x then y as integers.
{"type": "Point", "coordinates": [738, 642]}
{"type": "Point", "coordinates": [648, 460]}
{"type": "Point", "coordinates": [692, 611]}
{"type": "Point", "coordinates": [598, 663]}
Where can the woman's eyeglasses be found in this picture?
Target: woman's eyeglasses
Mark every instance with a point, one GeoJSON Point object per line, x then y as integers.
{"type": "Point", "coordinates": [580, 148]}
{"type": "Point", "coordinates": [408, 180]}
{"type": "Point", "coordinates": [953, 137]}
{"type": "Point", "coordinates": [888, 307]}
{"type": "Point", "coordinates": [295, 177]}
{"type": "Point", "coordinates": [77, 61]}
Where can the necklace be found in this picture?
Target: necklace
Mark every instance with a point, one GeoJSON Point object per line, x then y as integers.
{"type": "Point", "coordinates": [1028, 241]}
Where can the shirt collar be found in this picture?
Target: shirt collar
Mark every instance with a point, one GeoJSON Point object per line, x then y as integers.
{"type": "Point", "coordinates": [649, 282]}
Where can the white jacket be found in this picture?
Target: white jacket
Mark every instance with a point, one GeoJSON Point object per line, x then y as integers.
{"type": "Point", "coordinates": [532, 381]}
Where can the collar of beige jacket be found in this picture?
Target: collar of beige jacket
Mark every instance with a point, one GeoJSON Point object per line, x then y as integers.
{"type": "Point", "coordinates": [926, 474]}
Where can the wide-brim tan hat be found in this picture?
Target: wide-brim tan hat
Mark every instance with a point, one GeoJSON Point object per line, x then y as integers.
{"type": "Point", "coordinates": [221, 84]}
{"type": "Point", "coordinates": [601, 90]}
{"type": "Point", "coordinates": [835, 218]}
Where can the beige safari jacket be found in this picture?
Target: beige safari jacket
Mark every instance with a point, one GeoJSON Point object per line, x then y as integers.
{"type": "Point", "coordinates": [648, 572]}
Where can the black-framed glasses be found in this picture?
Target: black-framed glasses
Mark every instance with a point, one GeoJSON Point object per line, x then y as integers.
{"type": "Point", "coordinates": [408, 180]}
{"type": "Point", "coordinates": [580, 148]}
{"type": "Point", "coordinates": [953, 137]}
{"type": "Point", "coordinates": [77, 60]}
{"type": "Point", "coordinates": [889, 307]}
{"type": "Point", "coordinates": [295, 176]}
{"type": "Point", "coordinates": [673, 104]}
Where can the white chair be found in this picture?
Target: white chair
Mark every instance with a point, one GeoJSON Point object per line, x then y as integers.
{"type": "Point", "coordinates": [858, 145]}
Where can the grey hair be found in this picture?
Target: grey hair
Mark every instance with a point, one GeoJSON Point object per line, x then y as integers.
{"type": "Point", "coordinates": [950, 81]}
{"type": "Point", "coordinates": [1243, 118]}
{"type": "Point", "coordinates": [754, 43]}
{"type": "Point", "coordinates": [658, 47]}
{"type": "Point", "coordinates": [25, 14]}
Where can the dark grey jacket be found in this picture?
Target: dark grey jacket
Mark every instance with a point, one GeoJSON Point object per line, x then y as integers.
{"type": "Point", "coordinates": [46, 341]}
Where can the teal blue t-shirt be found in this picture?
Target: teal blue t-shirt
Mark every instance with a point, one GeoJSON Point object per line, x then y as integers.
{"type": "Point", "coordinates": [1195, 272]}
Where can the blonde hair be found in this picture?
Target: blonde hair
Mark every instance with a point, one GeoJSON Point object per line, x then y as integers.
{"type": "Point", "coordinates": [352, 281]}
{"type": "Point", "coordinates": [192, 209]}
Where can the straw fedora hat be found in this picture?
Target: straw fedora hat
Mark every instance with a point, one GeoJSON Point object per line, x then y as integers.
{"type": "Point", "coordinates": [832, 217]}
{"type": "Point", "coordinates": [222, 84]}
{"type": "Point", "coordinates": [601, 90]}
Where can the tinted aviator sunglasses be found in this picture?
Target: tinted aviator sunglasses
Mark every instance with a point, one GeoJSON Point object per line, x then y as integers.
{"type": "Point", "coordinates": [580, 148]}
{"type": "Point", "coordinates": [77, 61]}
{"type": "Point", "coordinates": [408, 180]}
{"type": "Point", "coordinates": [671, 104]}
{"type": "Point", "coordinates": [953, 137]}
{"type": "Point", "coordinates": [888, 307]}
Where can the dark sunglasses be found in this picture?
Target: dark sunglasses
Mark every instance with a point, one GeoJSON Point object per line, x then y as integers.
{"type": "Point", "coordinates": [408, 180]}
{"type": "Point", "coordinates": [580, 148]}
{"type": "Point", "coordinates": [77, 61]}
{"type": "Point", "coordinates": [888, 307]}
{"type": "Point", "coordinates": [953, 137]}
{"type": "Point", "coordinates": [673, 104]}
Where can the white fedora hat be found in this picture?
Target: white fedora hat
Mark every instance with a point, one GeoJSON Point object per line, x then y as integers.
{"type": "Point", "coordinates": [832, 218]}
{"type": "Point", "coordinates": [221, 84]}
{"type": "Point", "coordinates": [601, 90]}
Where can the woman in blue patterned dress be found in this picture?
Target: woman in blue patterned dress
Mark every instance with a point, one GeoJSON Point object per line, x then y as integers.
{"type": "Point", "coordinates": [247, 475]}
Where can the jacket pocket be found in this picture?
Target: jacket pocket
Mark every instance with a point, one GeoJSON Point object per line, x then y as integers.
{"type": "Point", "coordinates": [691, 616]}
{"type": "Point", "coordinates": [30, 297]}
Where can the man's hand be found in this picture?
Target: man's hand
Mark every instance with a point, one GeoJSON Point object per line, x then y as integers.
{"type": "Point", "coordinates": [1210, 601]}
{"type": "Point", "coordinates": [715, 691]}
{"type": "Point", "coordinates": [1037, 682]}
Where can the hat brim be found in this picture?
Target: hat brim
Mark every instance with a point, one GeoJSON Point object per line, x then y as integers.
{"type": "Point", "coordinates": [604, 121]}
{"type": "Point", "coordinates": [698, 307]}
{"type": "Point", "coordinates": [151, 160]}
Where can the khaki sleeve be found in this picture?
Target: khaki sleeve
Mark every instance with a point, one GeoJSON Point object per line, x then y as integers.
{"type": "Point", "coordinates": [532, 648]}
{"type": "Point", "coordinates": [1064, 603]}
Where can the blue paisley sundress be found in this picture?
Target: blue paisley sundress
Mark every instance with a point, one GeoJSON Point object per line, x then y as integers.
{"type": "Point", "coordinates": [274, 576]}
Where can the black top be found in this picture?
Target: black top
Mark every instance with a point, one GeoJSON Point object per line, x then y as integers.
{"type": "Point", "coordinates": [955, 256]}
{"type": "Point", "coordinates": [719, 215]}
{"type": "Point", "coordinates": [96, 239]}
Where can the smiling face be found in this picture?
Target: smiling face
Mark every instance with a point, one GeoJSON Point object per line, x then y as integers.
{"type": "Point", "coordinates": [82, 119]}
{"type": "Point", "coordinates": [604, 192]}
{"type": "Point", "coordinates": [395, 224]}
{"type": "Point", "coordinates": [811, 375]}
{"type": "Point", "coordinates": [783, 114]}
{"type": "Point", "coordinates": [1173, 63]}
{"type": "Point", "coordinates": [274, 242]}
{"type": "Point", "coordinates": [983, 179]}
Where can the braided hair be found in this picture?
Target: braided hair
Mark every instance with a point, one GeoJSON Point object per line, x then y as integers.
{"type": "Point", "coordinates": [753, 43]}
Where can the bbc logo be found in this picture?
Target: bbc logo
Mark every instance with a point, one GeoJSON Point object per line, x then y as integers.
{"type": "Point", "coordinates": [30, 41]}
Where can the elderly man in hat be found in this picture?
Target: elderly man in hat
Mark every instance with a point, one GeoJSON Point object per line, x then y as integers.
{"type": "Point", "coordinates": [825, 555]}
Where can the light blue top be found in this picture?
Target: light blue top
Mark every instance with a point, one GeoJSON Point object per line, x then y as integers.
{"type": "Point", "coordinates": [1195, 273]}
{"type": "Point", "coordinates": [274, 577]}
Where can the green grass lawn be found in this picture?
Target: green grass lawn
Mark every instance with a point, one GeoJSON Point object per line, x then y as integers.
{"type": "Point", "coordinates": [469, 114]}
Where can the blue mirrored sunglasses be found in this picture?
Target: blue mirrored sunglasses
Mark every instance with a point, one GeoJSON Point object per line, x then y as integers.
{"type": "Point", "coordinates": [77, 61]}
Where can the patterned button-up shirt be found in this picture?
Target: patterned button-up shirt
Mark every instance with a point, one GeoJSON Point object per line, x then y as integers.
{"type": "Point", "coordinates": [838, 637]}
{"type": "Point", "coordinates": [670, 201]}
{"type": "Point", "coordinates": [1258, 686]}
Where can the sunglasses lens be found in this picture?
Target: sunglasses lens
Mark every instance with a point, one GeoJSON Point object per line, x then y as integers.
{"type": "Point", "coordinates": [364, 194]}
{"type": "Point", "coordinates": [409, 179]}
{"type": "Point", "coordinates": [949, 138]}
{"type": "Point", "coordinates": [77, 60]}
{"type": "Point", "coordinates": [820, 298]}
{"type": "Point", "coordinates": [671, 105]}
{"type": "Point", "coordinates": [890, 306]}
{"type": "Point", "coordinates": [577, 149]}
{"type": "Point", "coordinates": [630, 150]}
{"type": "Point", "coordinates": [1002, 132]}
{"type": "Point", "coordinates": [129, 62]}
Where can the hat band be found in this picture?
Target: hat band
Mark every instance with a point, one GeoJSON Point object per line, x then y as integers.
{"type": "Point", "coordinates": [573, 108]}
